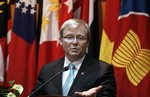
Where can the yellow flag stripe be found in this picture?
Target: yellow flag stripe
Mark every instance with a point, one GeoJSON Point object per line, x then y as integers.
{"type": "Point", "coordinates": [138, 68]}
{"type": "Point", "coordinates": [136, 74]}
{"type": "Point", "coordinates": [125, 52]}
{"type": "Point", "coordinates": [145, 61]}
{"type": "Point", "coordinates": [106, 48]}
{"type": "Point", "coordinates": [121, 57]}
{"type": "Point", "coordinates": [134, 40]}
{"type": "Point", "coordinates": [117, 62]}
{"type": "Point", "coordinates": [136, 71]}
{"type": "Point", "coordinates": [130, 46]}
{"type": "Point", "coordinates": [131, 77]}
{"type": "Point", "coordinates": [139, 63]}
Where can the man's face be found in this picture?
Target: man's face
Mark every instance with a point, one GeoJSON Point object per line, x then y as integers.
{"type": "Point", "coordinates": [74, 42]}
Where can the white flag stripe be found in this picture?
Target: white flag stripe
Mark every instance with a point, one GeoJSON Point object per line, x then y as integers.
{"type": "Point", "coordinates": [91, 11]}
{"type": "Point", "coordinates": [1, 65]}
{"type": "Point", "coordinates": [49, 31]}
{"type": "Point", "coordinates": [77, 13]}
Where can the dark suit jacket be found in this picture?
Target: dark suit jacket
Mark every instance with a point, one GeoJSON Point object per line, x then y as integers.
{"type": "Point", "coordinates": [92, 73]}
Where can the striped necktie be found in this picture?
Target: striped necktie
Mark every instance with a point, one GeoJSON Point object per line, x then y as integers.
{"type": "Point", "coordinates": [69, 80]}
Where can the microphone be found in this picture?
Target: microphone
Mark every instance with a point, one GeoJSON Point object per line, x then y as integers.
{"type": "Point", "coordinates": [51, 78]}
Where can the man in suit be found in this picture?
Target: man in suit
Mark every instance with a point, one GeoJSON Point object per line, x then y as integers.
{"type": "Point", "coordinates": [91, 77]}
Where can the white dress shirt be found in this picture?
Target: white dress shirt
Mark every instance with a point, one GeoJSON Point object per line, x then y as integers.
{"type": "Point", "coordinates": [77, 65]}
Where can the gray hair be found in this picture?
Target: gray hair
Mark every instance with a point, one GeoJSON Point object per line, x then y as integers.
{"type": "Point", "coordinates": [75, 23]}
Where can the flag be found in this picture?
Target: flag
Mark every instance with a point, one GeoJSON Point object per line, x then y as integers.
{"type": "Point", "coordinates": [87, 10]}
{"type": "Point", "coordinates": [95, 27]}
{"type": "Point", "coordinates": [66, 11]}
{"type": "Point", "coordinates": [81, 9]}
{"type": "Point", "coordinates": [22, 46]}
{"type": "Point", "coordinates": [125, 44]}
{"type": "Point", "coordinates": [4, 19]}
{"type": "Point", "coordinates": [49, 47]}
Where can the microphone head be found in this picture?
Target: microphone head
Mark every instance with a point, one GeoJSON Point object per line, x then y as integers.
{"type": "Point", "coordinates": [66, 68]}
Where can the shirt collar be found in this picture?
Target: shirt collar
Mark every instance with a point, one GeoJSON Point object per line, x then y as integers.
{"type": "Point", "coordinates": [76, 63]}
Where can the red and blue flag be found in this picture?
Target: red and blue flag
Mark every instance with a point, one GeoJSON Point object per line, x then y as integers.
{"type": "Point", "coordinates": [125, 45]}
{"type": "Point", "coordinates": [22, 46]}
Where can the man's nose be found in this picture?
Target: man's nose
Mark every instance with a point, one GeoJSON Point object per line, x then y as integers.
{"type": "Point", "coordinates": [75, 40]}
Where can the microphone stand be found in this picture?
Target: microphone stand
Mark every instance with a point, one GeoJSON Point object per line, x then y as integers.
{"type": "Point", "coordinates": [64, 69]}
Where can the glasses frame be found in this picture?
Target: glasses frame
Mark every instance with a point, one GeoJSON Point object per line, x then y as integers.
{"type": "Point", "coordinates": [72, 38]}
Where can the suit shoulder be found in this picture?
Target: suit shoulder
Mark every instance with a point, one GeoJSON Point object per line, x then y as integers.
{"type": "Point", "coordinates": [52, 64]}
{"type": "Point", "coordinates": [101, 64]}
{"type": "Point", "coordinates": [104, 63]}
{"type": "Point", "coordinates": [106, 67]}
{"type": "Point", "coordinates": [92, 60]}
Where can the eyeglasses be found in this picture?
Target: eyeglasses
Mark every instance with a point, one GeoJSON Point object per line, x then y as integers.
{"type": "Point", "coordinates": [78, 38]}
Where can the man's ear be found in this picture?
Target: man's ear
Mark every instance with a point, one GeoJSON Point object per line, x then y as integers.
{"type": "Point", "coordinates": [88, 43]}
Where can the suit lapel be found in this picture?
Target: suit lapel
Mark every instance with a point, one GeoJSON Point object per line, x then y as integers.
{"type": "Point", "coordinates": [81, 75]}
{"type": "Point", "coordinates": [58, 80]}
